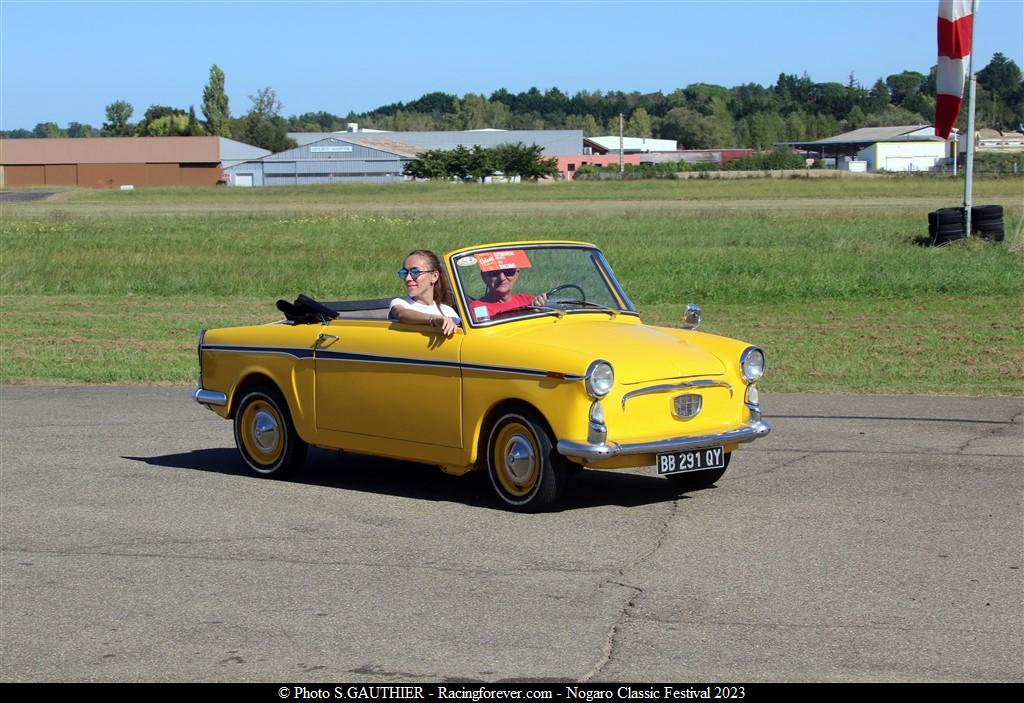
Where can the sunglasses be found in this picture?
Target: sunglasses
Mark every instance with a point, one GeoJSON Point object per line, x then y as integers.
{"type": "Point", "coordinates": [508, 273]}
{"type": "Point", "coordinates": [414, 272]}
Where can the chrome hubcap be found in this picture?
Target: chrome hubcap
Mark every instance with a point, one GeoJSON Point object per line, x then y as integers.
{"type": "Point", "coordinates": [520, 461]}
{"type": "Point", "coordinates": [265, 431]}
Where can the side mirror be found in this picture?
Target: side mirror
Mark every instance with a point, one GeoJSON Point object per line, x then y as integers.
{"type": "Point", "coordinates": [691, 318]}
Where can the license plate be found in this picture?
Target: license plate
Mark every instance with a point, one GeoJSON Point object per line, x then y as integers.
{"type": "Point", "coordinates": [694, 460]}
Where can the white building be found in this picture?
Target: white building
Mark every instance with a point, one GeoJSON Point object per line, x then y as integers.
{"type": "Point", "coordinates": [910, 155]}
{"type": "Point", "coordinates": [633, 145]}
{"type": "Point", "coordinates": [901, 148]}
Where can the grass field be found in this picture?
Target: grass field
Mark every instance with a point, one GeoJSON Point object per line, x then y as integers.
{"type": "Point", "coordinates": [112, 287]}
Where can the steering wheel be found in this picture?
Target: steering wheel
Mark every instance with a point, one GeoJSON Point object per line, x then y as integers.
{"type": "Point", "coordinates": [583, 296]}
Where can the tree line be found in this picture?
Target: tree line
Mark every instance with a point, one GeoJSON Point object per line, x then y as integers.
{"type": "Point", "coordinates": [698, 116]}
{"type": "Point", "coordinates": [701, 115]}
{"type": "Point", "coordinates": [261, 126]}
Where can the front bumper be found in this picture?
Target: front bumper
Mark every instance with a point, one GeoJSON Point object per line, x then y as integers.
{"type": "Point", "coordinates": [599, 452]}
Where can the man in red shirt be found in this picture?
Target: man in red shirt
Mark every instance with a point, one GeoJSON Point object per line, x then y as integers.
{"type": "Point", "coordinates": [499, 296]}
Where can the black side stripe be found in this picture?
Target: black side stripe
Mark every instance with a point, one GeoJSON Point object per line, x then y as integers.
{"type": "Point", "coordinates": [327, 355]}
{"type": "Point", "coordinates": [294, 352]}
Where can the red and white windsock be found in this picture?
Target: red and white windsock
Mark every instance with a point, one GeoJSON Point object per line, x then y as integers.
{"type": "Point", "coordinates": [954, 54]}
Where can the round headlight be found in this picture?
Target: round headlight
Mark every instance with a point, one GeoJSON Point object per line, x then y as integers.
{"type": "Point", "coordinates": [600, 378]}
{"type": "Point", "coordinates": [752, 364]}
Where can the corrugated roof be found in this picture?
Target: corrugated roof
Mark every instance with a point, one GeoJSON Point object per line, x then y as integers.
{"type": "Point", "coordinates": [870, 135]}
{"type": "Point", "coordinates": [383, 144]}
{"type": "Point", "coordinates": [232, 150]}
{"type": "Point", "coordinates": [552, 141]}
{"type": "Point", "coordinates": [110, 150]}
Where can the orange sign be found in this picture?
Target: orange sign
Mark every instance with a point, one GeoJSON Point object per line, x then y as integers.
{"type": "Point", "coordinates": [504, 259]}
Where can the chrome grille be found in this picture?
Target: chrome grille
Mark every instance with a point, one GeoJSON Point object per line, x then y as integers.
{"type": "Point", "coordinates": [686, 406]}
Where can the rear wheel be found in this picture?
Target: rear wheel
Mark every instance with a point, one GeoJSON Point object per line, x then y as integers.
{"type": "Point", "coordinates": [695, 480]}
{"type": "Point", "coordinates": [526, 471]}
{"type": "Point", "coordinates": [265, 435]}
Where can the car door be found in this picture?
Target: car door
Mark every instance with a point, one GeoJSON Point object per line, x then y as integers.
{"type": "Point", "coordinates": [389, 380]}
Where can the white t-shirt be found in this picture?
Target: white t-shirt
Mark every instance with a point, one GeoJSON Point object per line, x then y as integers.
{"type": "Point", "coordinates": [411, 304]}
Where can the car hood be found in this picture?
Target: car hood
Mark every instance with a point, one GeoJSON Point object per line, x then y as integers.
{"type": "Point", "coordinates": [637, 352]}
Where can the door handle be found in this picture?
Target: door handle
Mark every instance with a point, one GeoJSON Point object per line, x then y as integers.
{"type": "Point", "coordinates": [324, 337]}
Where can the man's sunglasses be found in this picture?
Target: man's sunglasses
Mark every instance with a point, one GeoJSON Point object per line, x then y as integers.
{"type": "Point", "coordinates": [414, 272]}
{"type": "Point", "coordinates": [508, 273]}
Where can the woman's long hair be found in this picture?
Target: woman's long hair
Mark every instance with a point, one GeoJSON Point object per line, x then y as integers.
{"type": "Point", "coordinates": [442, 291]}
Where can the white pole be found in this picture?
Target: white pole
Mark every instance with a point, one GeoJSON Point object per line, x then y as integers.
{"type": "Point", "coordinates": [956, 149]}
{"type": "Point", "coordinates": [969, 160]}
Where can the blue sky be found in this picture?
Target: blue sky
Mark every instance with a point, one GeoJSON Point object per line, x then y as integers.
{"type": "Point", "coordinates": [65, 61]}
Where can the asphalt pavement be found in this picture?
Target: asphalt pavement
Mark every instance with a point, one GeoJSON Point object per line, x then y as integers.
{"type": "Point", "coordinates": [867, 539]}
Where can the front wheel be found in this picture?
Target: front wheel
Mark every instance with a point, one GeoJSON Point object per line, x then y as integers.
{"type": "Point", "coordinates": [265, 435]}
{"type": "Point", "coordinates": [525, 470]}
{"type": "Point", "coordinates": [695, 480]}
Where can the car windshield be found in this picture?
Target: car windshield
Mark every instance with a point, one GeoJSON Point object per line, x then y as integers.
{"type": "Point", "coordinates": [500, 284]}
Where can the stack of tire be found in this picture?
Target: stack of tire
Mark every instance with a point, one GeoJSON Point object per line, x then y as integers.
{"type": "Point", "coordinates": [987, 222]}
{"type": "Point", "coordinates": [946, 224]}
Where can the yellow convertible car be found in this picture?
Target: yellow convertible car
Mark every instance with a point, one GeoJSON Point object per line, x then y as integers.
{"type": "Point", "coordinates": [564, 376]}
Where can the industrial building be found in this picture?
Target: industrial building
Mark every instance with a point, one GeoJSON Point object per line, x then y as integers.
{"type": "Point", "coordinates": [630, 145]}
{"type": "Point", "coordinates": [377, 156]}
{"type": "Point", "coordinates": [895, 149]}
{"type": "Point", "coordinates": [337, 158]}
{"type": "Point", "coordinates": [996, 141]}
{"type": "Point", "coordinates": [115, 162]}
{"type": "Point", "coordinates": [553, 142]}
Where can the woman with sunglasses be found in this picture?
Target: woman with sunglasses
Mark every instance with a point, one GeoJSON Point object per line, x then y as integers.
{"type": "Point", "coordinates": [430, 299]}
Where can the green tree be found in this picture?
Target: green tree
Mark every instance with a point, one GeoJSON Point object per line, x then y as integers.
{"type": "Point", "coordinates": [766, 128]}
{"type": "Point", "coordinates": [215, 104]}
{"type": "Point", "coordinates": [48, 130]}
{"type": "Point", "coordinates": [701, 96]}
{"type": "Point", "coordinates": [432, 164]}
{"type": "Point", "coordinates": [194, 128]}
{"type": "Point", "coordinates": [167, 125]}
{"type": "Point", "coordinates": [902, 86]}
{"type": "Point", "coordinates": [692, 130]}
{"type": "Point", "coordinates": [161, 121]}
{"type": "Point", "coordinates": [590, 127]}
{"type": "Point", "coordinates": [878, 97]}
{"type": "Point", "coordinates": [639, 124]}
{"type": "Point", "coordinates": [893, 116]}
{"type": "Point", "coordinates": [724, 126]}
{"type": "Point", "coordinates": [459, 163]}
{"type": "Point", "coordinates": [856, 118]}
{"type": "Point", "coordinates": [79, 130]}
{"type": "Point", "coordinates": [480, 163]}
{"type": "Point", "coordinates": [263, 125]}
{"type": "Point", "coordinates": [1001, 77]}
{"type": "Point", "coordinates": [117, 124]}
{"type": "Point", "coordinates": [796, 127]}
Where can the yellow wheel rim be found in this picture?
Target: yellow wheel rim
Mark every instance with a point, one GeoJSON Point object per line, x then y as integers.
{"type": "Point", "coordinates": [262, 432]}
{"type": "Point", "coordinates": [516, 459]}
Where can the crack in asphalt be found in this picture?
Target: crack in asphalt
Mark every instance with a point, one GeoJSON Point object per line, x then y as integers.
{"type": "Point", "coordinates": [1003, 430]}
{"type": "Point", "coordinates": [608, 648]}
